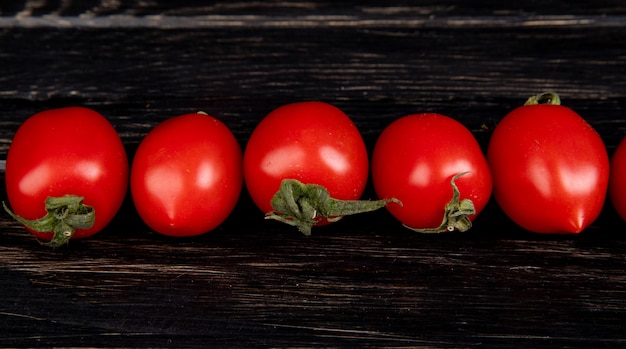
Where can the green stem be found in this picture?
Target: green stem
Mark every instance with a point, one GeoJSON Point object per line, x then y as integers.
{"type": "Point", "coordinates": [305, 205]}
{"type": "Point", "coordinates": [544, 98]}
{"type": "Point", "coordinates": [64, 215]}
{"type": "Point", "coordinates": [455, 212]}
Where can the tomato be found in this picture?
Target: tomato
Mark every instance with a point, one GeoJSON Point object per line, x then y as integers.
{"type": "Point", "coordinates": [186, 175]}
{"type": "Point", "coordinates": [71, 151]}
{"type": "Point", "coordinates": [550, 167]}
{"type": "Point", "coordinates": [435, 167]}
{"type": "Point", "coordinates": [311, 143]}
{"type": "Point", "coordinates": [617, 179]}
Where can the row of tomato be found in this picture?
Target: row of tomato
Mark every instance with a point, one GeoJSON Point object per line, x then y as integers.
{"type": "Point", "coordinates": [306, 164]}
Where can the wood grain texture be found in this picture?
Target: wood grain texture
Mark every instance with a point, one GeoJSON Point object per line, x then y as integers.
{"type": "Point", "coordinates": [363, 282]}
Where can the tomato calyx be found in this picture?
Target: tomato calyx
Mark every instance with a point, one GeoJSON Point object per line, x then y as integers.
{"type": "Point", "coordinates": [64, 215]}
{"type": "Point", "coordinates": [305, 205]}
{"type": "Point", "coordinates": [551, 98]}
{"type": "Point", "coordinates": [456, 213]}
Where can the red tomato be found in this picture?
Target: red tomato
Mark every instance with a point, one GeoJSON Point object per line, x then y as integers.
{"type": "Point", "coordinates": [312, 142]}
{"type": "Point", "coordinates": [415, 159]}
{"type": "Point", "coordinates": [67, 151]}
{"type": "Point", "coordinates": [186, 175]}
{"type": "Point", "coordinates": [617, 179]}
{"type": "Point", "coordinates": [550, 168]}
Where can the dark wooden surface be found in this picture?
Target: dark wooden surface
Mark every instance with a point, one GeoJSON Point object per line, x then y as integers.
{"type": "Point", "coordinates": [363, 282]}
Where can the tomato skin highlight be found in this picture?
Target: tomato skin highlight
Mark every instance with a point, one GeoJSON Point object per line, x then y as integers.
{"type": "Point", "coordinates": [550, 169]}
{"type": "Point", "coordinates": [617, 179]}
{"type": "Point", "coordinates": [312, 142]}
{"type": "Point", "coordinates": [67, 151]}
{"type": "Point", "coordinates": [186, 176]}
{"type": "Point", "coordinates": [414, 159]}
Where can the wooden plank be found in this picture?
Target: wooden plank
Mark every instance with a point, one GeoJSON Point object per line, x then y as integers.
{"type": "Point", "coordinates": [475, 75]}
{"type": "Point", "coordinates": [74, 8]}
{"type": "Point", "coordinates": [340, 287]}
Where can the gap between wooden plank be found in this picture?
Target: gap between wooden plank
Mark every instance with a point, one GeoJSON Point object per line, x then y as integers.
{"type": "Point", "coordinates": [340, 21]}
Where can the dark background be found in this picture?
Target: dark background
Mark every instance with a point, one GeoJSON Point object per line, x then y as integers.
{"type": "Point", "coordinates": [364, 281]}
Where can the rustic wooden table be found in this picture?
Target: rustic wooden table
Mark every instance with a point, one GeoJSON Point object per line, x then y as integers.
{"type": "Point", "coordinates": [363, 282]}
